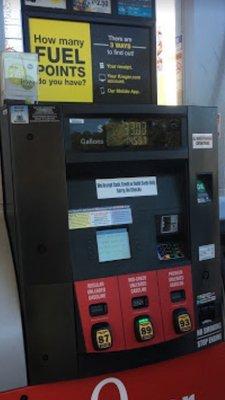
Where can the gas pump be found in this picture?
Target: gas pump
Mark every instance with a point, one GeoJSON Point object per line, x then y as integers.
{"type": "Point", "coordinates": [112, 218]}
{"type": "Point", "coordinates": [111, 211]}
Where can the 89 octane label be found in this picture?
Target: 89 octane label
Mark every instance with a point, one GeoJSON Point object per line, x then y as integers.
{"type": "Point", "coordinates": [146, 330]}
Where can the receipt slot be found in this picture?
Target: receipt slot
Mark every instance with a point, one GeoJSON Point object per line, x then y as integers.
{"type": "Point", "coordinates": [113, 220]}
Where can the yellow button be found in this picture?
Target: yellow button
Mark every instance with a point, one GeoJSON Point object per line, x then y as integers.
{"type": "Point", "coordinates": [103, 339]}
{"type": "Point", "coordinates": [184, 323]}
{"type": "Point", "coordinates": [143, 328]}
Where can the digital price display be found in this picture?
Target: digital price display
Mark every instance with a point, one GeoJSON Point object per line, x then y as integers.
{"type": "Point", "coordinates": [127, 133]}
{"type": "Point", "coordinates": [105, 134]}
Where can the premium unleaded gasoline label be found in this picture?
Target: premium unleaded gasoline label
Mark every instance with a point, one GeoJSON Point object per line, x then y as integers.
{"type": "Point", "coordinates": [184, 323]}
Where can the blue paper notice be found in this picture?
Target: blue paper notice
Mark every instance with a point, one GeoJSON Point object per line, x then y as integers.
{"type": "Point", "coordinates": [135, 8]}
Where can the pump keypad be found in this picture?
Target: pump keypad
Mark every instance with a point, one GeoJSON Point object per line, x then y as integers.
{"type": "Point", "coordinates": [169, 251]}
{"type": "Point", "coordinates": [182, 321]}
{"type": "Point", "coordinates": [102, 336]}
{"type": "Point", "coordinates": [143, 328]}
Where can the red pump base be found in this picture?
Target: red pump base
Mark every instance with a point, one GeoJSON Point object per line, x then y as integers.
{"type": "Point", "coordinates": [198, 376]}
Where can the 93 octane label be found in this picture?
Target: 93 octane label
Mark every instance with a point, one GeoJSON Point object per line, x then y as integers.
{"type": "Point", "coordinates": [184, 323]}
{"type": "Point", "coordinates": [97, 6]}
{"type": "Point", "coordinates": [103, 339]}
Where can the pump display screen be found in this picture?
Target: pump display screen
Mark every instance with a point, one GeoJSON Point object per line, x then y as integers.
{"type": "Point", "coordinates": [96, 134]}
{"type": "Point", "coordinates": [113, 244]}
{"type": "Point", "coordinates": [134, 133]}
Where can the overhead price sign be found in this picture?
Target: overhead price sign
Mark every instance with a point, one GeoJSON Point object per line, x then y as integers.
{"type": "Point", "coordinates": [65, 61]}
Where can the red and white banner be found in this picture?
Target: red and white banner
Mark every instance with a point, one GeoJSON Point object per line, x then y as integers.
{"type": "Point", "coordinates": [199, 376]}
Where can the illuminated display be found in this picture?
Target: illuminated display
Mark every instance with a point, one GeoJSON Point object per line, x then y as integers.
{"type": "Point", "coordinates": [113, 244]}
{"type": "Point", "coordinates": [102, 134]}
{"type": "Point", "coordinates": [127, 133]}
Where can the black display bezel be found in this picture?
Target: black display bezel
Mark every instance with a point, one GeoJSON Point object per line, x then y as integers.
{"type": "Point", "coordinates": [94, 141]}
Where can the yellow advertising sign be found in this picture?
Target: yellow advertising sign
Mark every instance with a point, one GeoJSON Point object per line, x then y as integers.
{"type": "Point", "coordinates": [65, 63]}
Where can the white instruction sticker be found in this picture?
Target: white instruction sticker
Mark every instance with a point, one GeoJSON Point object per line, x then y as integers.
{"type": "Point", "coordinates": [19, 115]}
{"type": "Point", "coordinates": [126, 187]}
{"type": "Point", "coordinates": [206, 252]}
{"type": "Point", "coordinates": [209, 334]}
{"type": "Point", "coordinates": [206, 298]}
{"type": "Point", "coordinates": [76, 121]}
{"type": "Point", "coordinates": [102, 216]}
{"type": "Point", "coordinates": [202, 140]}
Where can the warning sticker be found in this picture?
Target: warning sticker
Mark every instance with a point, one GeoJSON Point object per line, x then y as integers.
{"type": "Point", "coordinates": [209, 334]}
{"type": "Point", "coordinates": [202, 140]}
{"type": "Point", "coordinates": [206, 252]}
{"type": "Point", "coordinates": [19, 114]}
{"type": "Point", "coordinates": [206, 298]}
{"type": "Point", "coordinates": [44, 114]}
{"type": "Point", "coordinates": [65, 62]}
{"type": "Point", "coordinates": [126, 187]}
{"type": "Point", "coordinates": [97, 217]}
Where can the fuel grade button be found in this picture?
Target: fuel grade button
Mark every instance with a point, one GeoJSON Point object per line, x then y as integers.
{"type": "Point", "coordinates": [182, 321]}
{"type": "Point", "coordinates": [143, 328]}
{"type": "Point", "coordinates": [101, 336]}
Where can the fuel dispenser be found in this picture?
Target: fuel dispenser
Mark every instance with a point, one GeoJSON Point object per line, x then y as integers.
{"type": "Point", "coordinates": [112, 214]}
